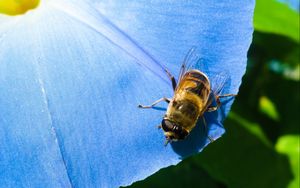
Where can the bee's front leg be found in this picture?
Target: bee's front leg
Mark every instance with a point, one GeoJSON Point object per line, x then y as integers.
{"type": "Point", "coordinates": [156, 102]}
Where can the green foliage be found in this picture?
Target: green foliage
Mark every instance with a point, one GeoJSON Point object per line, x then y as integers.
{"type": "Point", "coordinates": [186, 174]}
{"type": "Point", "coordinates": [261, 145]}
{"type": "Point", "coordinates": [267, 18]}
{"type": "Point", "coordinates": [242, 159]}
{"type": "Point", "coordinates": [289, 145]}
{"type": "Point", "coordinates": [267, 107]}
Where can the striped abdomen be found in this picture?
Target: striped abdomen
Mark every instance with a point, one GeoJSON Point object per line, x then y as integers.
{"type": "Point", "coordinates": [196, 83]}
{"type": "Point", "coordinates": [190, 99]}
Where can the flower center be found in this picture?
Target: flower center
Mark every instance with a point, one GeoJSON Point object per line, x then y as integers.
{"type": "Point", "coordinates": [16, 7]}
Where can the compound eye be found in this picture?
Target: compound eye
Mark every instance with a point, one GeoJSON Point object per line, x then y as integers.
{"type": "Point", "coordinates": [167, 125]}
{"type": "Point", "coordinates": [181, 133]}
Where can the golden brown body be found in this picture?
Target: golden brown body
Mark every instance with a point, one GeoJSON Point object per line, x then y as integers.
{"type": "Point", "coordinates": [189, 102]}
{"type": "Point", "coordinates": [193, 96]}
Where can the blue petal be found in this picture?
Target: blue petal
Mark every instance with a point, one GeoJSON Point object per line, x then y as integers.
{"type": "Point", "coordinates": [71, 81]}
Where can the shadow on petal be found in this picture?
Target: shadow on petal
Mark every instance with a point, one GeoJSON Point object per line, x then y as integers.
{"type": "Point", "coordinates": [193, 143]}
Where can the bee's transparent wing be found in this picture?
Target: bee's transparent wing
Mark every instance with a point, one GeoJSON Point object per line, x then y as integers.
{"type": "Point", "coordinates": [184, 63]}
{"type": "Point", "coordinates": [218, 81]}
{"type": "Point", "coordinates": [192, 60]}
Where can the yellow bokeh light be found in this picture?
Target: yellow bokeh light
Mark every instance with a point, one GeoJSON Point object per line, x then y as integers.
{"type": "Point", "coordinates": [16, 7]}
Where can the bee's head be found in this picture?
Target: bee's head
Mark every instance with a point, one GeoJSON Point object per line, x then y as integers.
{"type": "Point", "coordinates": [173, 131]}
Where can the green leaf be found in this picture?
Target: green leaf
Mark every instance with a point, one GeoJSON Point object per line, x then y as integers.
{"type": "Point", "coordinates": [251, 127]}
{"type": "Point", "coordinates": [289, 145]}
{"type": "Point", "coordinates": [268, 47]}
{"type": "Point", "coordinates": [242, 159]}
{"type": "Point", "coordinates": [187, 173]}
{"type": "Point", "coordinates": [274, 17]}
{"type": "Point", "coordinates": [267, 107]}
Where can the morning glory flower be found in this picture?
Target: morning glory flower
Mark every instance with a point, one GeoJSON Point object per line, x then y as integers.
{"type": "Point", "coordinates": [73, 72]}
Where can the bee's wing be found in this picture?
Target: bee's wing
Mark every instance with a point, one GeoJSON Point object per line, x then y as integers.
{"type": "Point", "coordinates": [218, 81]}
{"type": "Point", "coordinates": [191, 61]}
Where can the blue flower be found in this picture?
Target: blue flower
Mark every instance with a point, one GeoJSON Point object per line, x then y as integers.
{"type": "Point", "coordinates": [73, 73]}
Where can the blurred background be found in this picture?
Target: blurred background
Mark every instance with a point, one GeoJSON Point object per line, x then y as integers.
{"type": "Point", "coordinates": [261, 145]}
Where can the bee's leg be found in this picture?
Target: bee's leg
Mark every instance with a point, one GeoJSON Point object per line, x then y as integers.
{"type": "Point", "coordinates": [206, 130]}
{"type": "Point", "coordinates": [171, 77]}
{"type": "Point", "coordinates": [167, 142]}
{"type": "Point", "coordinates": [214, 108]}
{"type": "Point", "coordinates": [153, 104]}
{"type": "Point", "coordinates": [227, 95]}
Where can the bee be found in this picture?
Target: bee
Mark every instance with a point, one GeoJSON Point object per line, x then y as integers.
{"type": "Point", "coordinates": [193, 96]}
